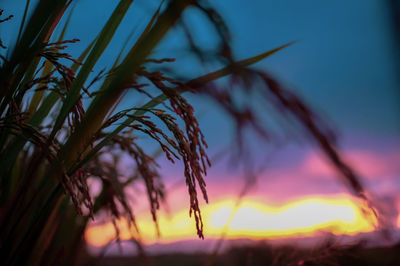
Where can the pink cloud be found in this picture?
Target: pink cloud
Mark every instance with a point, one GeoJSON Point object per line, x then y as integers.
{"type": "Point", "coordinates": [310, 174]}
{"type": "Point", "coordinates": [373, 164]}
{"type": "Point", "coordinates": [369, 164]}
{"type": "Point", "coordinates": [315, 165]}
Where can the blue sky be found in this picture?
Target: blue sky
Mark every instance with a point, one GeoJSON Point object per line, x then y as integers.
{"type": "Point", "coordinates": [343, 63]}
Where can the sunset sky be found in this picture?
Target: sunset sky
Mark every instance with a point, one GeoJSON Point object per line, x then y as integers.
{"type": "Point", "coordinates": [343, 65]}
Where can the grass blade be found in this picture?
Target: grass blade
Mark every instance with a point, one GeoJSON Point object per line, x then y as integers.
{"type": "Point", "coordinates": [101, 44]}
{"type": "Point", "coordinates": [23, 20]}
{"type": "Point", "coordinates": [37, 97]}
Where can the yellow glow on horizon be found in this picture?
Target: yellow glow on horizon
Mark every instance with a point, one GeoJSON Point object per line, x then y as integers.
{"type": "Point", "coordinates": [253, 219]}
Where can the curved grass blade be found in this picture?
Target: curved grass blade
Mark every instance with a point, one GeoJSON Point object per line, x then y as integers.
{"type": "Point", "coordinates": [101, 44]}
{"type": "Point", "coordinates": [149, 25]}
{"type": "Point", "coordinates": [43, 20]}
{"type": "Point", "coordinates": [144, 33]}
{"type": "Point", "coordinates": [21, 27]}
{"type": "Point", "coordinates": [38, 95]}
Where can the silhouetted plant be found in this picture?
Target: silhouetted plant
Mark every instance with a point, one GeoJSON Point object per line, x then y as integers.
{"type": "Point", "coordinates": [51, 142]}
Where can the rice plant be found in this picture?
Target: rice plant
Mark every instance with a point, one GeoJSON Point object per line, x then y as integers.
{"type": "Point", "coordinates": [51, 141]}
